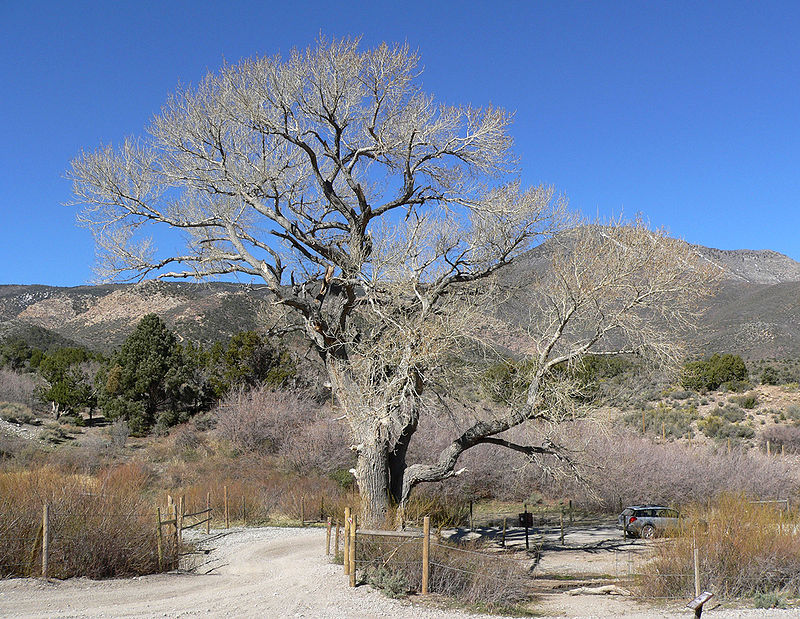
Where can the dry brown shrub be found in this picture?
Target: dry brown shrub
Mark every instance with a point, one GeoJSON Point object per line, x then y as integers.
{"type": "Point", "coordinates": [460, 571]}
{"type": "Point", "coordinates": [745, 548]}
{"type": "Point", "coordinates": [16, 387]}
{"type": "Point", "coordinates": [262, 419]}
{"type": "Point", "coordinates": [100, 526]}
{"type": "Point", "coordinates": [782, 437]}
{"type": "Point", "coordinates": [259, 491]}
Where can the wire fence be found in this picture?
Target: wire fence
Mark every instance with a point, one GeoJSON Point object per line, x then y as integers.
{"type": "Point", "coordinates": [401, 562]}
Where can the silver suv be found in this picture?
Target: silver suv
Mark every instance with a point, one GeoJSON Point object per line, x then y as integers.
{"type": "Point", "coordinates": [647, 521]}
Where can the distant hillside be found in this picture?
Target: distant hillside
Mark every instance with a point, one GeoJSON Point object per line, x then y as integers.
{"type": "Point", "coordinates": [753, 267]}
{"type": "Point", "coordinates": [101, 317]}
{"type": "Point", "coordinates": [755, 314]}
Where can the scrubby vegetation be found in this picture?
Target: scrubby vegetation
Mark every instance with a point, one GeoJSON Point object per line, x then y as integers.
{"type": "Point", "coordinates": [247, 416]}
{"type": "Point", "coordinates": [745, 549]}
{"type": "Point", "coordinates": [101, 525]}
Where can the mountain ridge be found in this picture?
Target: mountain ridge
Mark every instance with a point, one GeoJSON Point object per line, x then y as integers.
{"type": "Point", "coordinates": [755, 313]}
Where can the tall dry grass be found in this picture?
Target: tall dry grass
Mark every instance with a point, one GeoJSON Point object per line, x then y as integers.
{"type": "Point", "coordinates": [745, 549]}
{"type": "Point", "coordinates": [100, 526]}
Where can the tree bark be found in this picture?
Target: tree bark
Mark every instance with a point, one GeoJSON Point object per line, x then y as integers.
{"type": "Point", "coordinates": [372, 475]}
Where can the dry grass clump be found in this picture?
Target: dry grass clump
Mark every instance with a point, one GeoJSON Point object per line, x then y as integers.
{"type": "Point", "coordinates": [745, 549]}
{"type": "Point", "coordinates": [100, 527]}
{"type": "Point", "coordinates": [462, 572]}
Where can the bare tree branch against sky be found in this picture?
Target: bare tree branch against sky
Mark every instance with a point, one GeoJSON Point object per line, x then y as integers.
{"type": "Point", "coordinates": [683, 111]}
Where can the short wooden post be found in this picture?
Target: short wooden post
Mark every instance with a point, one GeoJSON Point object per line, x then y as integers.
{"type": "Point", "coordinates": [426, 553]}
{"type": "Point", "coordinates": [353, 531]}
{"type": "Point", "coordinates": [769, 453]}
{"type": "Point", "coordinates": [208, 513]}
{"type": "Point", "coordinates": [302, 511]}
{"type": "Point", "coordinates": [45, 538]}
{"type": "Point", "coordinates": [328, 538]}
{"type": "Point", "coordinates": [336, 541]}
{"type": "Point", "coordinates": [696, 571]}
{"type": "Point", "coordinates": [525, 511]}
{"type": "Point", "coordinates": [225, 497]}
{"type": "Point", "coordinates": [505, 525]}
{"type": "Point", "coordinates": [346, 541]}
{"type": "Point", "coordinates": [179, 519]}
{"type": "Point", "coordinates": [562, 526]}
{"type": "Point", "coordinates": [160, 541]}
{"type": "Point", "coordinates": [176, 534]}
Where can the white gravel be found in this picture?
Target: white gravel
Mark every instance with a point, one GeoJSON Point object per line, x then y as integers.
{"type": "Point", "coordinates": [273, 572]}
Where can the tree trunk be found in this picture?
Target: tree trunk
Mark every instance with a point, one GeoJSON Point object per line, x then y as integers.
{"type": "Point", "coordinates": [372, 475]}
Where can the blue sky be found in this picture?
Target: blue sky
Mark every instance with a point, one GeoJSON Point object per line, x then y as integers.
{"type": "Point", "coordinates": [686, 112]}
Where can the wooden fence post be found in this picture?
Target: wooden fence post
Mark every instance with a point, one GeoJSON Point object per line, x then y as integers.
{"type": "Point", "coordinates": [505, 524]}
{"type": "Point", "coordinates": [177, 534]}
{"type": "Point", "coordinates": [696, 571]}
{"type": "Point", "coordinates": [45, 538]}
{"type": "Point", "coordinates": [160, 541]}
{"type": "Point", "coordinates": [426, 550]}
{"type": "Point", "coordinates": [353, 531]}
{"type": "Point", "coordinates": [562, 525]}
{"type": "Point", "coordinates": [181, 512]}
{"type": "Point", "coordinates": [328, 538]}
{"type": "Point", "coordinates": [208, 513]}
{"type": "Point", "coordinates": [346, 541]}
{"type": "Point", "coordinates": [227, 519]}
{"type": "Point", "coordinates": [525, 511]}
{"type": "Point", "coordinates": [471, 521]}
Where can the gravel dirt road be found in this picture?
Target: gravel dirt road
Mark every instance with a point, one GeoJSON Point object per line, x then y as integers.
{"type": "Point", "coordinates": [270, 572]}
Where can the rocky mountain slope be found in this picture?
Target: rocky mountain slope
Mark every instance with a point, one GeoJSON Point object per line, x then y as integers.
{"type": "Point", "coordinates": [756, 312]}
{"type": "Point", "coordinates": [101, 317]}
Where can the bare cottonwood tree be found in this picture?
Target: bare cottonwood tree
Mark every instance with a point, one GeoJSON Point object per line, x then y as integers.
{"type": "Point", "coordinates": [371, 212]}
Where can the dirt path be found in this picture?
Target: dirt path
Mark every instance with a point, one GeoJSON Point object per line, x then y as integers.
{"type": "Point", "coordinates": [265, 572]}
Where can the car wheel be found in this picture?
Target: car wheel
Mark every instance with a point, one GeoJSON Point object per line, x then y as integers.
{"type": "Point", "coordinates": [648, 531]}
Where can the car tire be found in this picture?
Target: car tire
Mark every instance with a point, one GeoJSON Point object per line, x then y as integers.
{"type": "Point", "coordinates": [648, 531]}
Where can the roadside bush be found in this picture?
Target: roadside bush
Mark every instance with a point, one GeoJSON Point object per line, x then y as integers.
{"type": "Point", "coordinates": [14, 412]}
{"type": "Point", "coordinates": [101, 526]}
{"type": "Point", "coordinates": [17, 387]}
{"type": "Point", "coordinates": [711, 373]}
{"type": "Point", "coordinates": [459, 571]}
{"type": "Point", "coordinates": [782, 437]}
{"type": "Point", "coordinates": [745, 549]}
{"type": "Point", "coordinates": [769, 376]}
{"type": "Point", "coordinates": [622, 467]}
{"type": "Point", "coordinates": [748, 400]}
{"type": "Point", "coordinates": [674, 422]}
{"type": "Point", "coordinates": [717, 427]}
{"type": "Point", "coordinates": [262, 419]}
